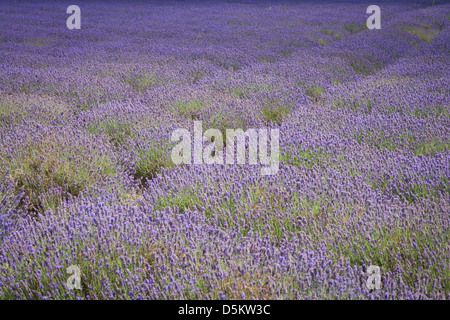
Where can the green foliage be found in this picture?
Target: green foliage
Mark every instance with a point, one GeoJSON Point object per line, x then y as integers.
{"type": "Point", "coordinates": [86, 99]}
{"type": "Point", "coordinates": [315, 92]}
{"type": "Point", "coordinates": [151, 160]}
{"type": "Point", "coordinates": [305, 158]}
{"type": "Point", "coordinates": [439, 25]}
{"type": "Point", "coordinates": [36, 43]}
{"type": "Point", "coordinates": [231, 65]}
{"type": "Point", "coordinates": [322, 42]}
{"type": "Point", "coordinates": [362, 66]}
{"type": "Point", "coordinates": [20, 108]}
{"type": "Point", "coordinates": [352, 28]}
{"type": "Point", "coordinates": [145, 82]}
{"type": "Point", "coordinates": [431, 147]}
{"type": "Point", "coordinates": [117, 131]}
{"type": "Point", "coordinates": [245, 92]}
{"type": "Point", "coordinates": [190, 109]}
{"type": "Point", "coordinates": [234, 211]}
{"type": "Point", "coordinates": [267, 59]}
{"type": "Point", "coordinates": [411, 192]}
{"type": "Point", "coordinates": [287, 53]}
{"type": "Point", "coordinates": [381, 141]}
{"type": "Point", "coordinates": [425, 33]}
{"type": "Point", "coordinates": [50, 164]}
{"type": "Point", "coordinates": [335, 82]}
{"type": "Point", "coordinates": [358, 105]}
{"type": "Point", "coordinates": [186, 198]}
{"type": "Point", "coordinates": [196, 76]}
{"type": "Point", "coordinates": [401, 248]}
{"type": "Point", "coordinates": [96, 268]}
{"type": "Point", "coordinates": [328, 32]}
{"type": "Point", "coordinates": [274, 112]}
{"type": "Point", "coordinates": [432, 111]}
{"type": "Point", "coordinates": [11, 112]}
{"type": "Point", "coordinates": [424, 190]}
{"type": "Point", "coordinates": [224, 121]}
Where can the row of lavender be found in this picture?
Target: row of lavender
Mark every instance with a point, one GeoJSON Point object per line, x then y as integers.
{"type": "Point", "coordinates": [86, 176]}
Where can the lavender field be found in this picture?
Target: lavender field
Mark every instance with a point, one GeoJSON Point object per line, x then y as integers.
{"type": "Point", "coordinates": [87, 179]}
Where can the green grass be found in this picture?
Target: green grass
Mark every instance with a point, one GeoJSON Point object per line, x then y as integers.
{"type": "Point", "coordinates": [244, 211]}
{"type": "Point", "coordinates": [237, 211]}
{"type": "Point", "coordinates": [423, 190]}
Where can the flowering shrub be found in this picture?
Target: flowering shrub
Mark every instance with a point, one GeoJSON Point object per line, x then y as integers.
{"type": "Point", "coordinates": [86, 176]}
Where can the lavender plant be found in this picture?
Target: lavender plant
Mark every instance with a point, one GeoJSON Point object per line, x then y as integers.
{"type": "Point", "coordinates": [86, 177]}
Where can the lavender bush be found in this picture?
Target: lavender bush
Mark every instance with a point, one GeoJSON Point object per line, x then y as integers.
{"type": "Point", "coordinates": [86, 176]}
